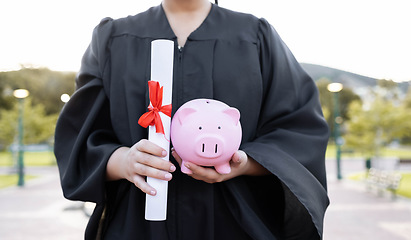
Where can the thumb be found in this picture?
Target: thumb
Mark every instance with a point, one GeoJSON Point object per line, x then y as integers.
{"type": "Point", "coordinates": [239, 156]}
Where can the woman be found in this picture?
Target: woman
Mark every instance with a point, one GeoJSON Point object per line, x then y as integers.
{"type": "Point", "coordinates": [277, 187]}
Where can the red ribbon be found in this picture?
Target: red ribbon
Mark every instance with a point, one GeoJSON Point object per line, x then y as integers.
{"type": "Point", "coordinates": [152, 117]}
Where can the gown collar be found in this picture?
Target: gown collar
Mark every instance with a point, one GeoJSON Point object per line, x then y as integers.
{"type": "Point", "coordinates": [164, 28]}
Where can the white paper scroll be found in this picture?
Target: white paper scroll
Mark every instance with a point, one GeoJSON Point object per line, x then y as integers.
{"type": "Point", "coordinates": [162, 55]}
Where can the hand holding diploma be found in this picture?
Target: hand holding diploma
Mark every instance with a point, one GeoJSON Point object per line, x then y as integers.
{"type": "Point", "coordinates": [142, 160]}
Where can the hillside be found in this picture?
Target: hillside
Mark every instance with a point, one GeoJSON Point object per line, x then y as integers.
{"type": "Point", "coordinates": [348, 79]}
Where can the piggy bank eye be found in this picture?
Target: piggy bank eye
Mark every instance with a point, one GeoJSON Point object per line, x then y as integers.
{"type": "Point", "coordinates": [219, 127]}
{"type": "Point", "coordinates": [200, 128]}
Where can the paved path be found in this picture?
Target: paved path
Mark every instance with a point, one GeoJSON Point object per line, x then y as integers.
{"type": "Point", "coordinates": [356, 213]}
{"type": "Point", "coordinates": [39, 211]}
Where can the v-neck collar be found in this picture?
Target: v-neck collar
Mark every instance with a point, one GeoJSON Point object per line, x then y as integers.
{"type": "Point", "coordinates": [199, 33]}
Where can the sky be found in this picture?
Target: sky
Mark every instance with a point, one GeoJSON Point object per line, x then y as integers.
{"type": "Point", "coordinates": [367, 37]}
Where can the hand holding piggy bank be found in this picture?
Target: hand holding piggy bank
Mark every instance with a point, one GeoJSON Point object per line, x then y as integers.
{"type": "Point", "coordinates": [206, 132]}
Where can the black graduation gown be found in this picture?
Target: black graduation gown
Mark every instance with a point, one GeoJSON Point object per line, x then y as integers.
{"type": "Point", "coordinates": [232, 57]}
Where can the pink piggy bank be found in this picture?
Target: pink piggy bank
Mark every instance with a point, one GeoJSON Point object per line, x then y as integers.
{"type": "Point", "coordinates": [206, 132]}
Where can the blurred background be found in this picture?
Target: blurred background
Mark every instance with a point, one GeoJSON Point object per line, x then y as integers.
{"type": "Point", "coordinates": [357, 52]}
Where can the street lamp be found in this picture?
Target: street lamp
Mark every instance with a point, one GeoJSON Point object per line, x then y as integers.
{"type": "Point", "coordinates": [20, 94]}
{"type": "Point", "coordinates": [65, 97]}
{"type": "Point", "coordinates": [335, 88]}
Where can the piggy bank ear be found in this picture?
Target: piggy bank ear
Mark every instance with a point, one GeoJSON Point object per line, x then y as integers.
{"type": "Point", "coordinates": [234, 114]}
{"type": "Point", "coordinates": [184, 113]}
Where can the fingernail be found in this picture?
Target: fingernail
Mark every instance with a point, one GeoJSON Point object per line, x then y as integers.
{"type": "Point", "coordinates": [168, 176]}
{"type": "Point", "coordinates": [172, 168]}
{"type": "Point", "coordinates": [164, 153]}
{"type": "Point", "coordinates": [152, 192]}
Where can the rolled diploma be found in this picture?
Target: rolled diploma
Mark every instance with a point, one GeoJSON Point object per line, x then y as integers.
{"type": "Point", "coordinates": [162, 55]}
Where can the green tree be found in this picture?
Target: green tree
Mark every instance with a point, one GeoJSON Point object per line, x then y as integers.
{"type": "Point", "coordinates": [38, 126]}
{"type": "Point", "coordinates": [407, 101]}
{"type": "Point", "coordinates": [6, 96]}
{"type": "Point", "coordinates": [387, 84]}
{"type": "Point", "coordinates": [45, 87]}
{"type": "Point", "coordinates": [368, 130]}
{"type": "Point", "coordinates": [407, 106]}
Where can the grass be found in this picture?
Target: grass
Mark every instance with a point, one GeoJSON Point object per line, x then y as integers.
{"type": "Point", "coordinates": [10, 180]}
{"type": "Point", "coordinates": [393, 152]}
{"type": "Point", "coordinates": [30, 159]}
{"type": "Point", "coordinates": [404, 188]}
{"type": "Point", "coordinates": [357, 176]}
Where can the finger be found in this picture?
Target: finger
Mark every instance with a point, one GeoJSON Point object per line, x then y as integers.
{"type": "Point", "coordinates": [208, 175]}
{"type": "Point", "coordinates": [149, 147]}
{"type": "Point", "coordinates": [239, 157]}
{"type": "Point", "coordinates": [176, 156]}
{"type": "Point", "coordinates": [140, 183]}
{"type": "Point", "coordinates": [236, 157]}
{"type": "Point", "coordinates": [144, 170]}
{"type": "Point", "coordinates": [141, 154]}
{"type": "Point", "coordinates": [155, 162]}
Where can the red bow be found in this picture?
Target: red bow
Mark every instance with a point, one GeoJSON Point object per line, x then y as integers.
{"type": "Point", "coordinates": [152, 117]}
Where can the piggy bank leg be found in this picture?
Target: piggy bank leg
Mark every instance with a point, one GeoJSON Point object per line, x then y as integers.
{"type": "Point", "coordinates": [223, 168]}
{"type": "Point", "coordinates": [184, 169]}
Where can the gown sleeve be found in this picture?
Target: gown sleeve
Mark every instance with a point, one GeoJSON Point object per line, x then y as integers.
{"type": "Point", "coordinates": [292, 134]}
{"type": "Point", "coordinates": [84, 138]}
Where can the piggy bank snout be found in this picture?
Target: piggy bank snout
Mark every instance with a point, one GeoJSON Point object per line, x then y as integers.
{"type": "Point", "coordinates": [209, 146]}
